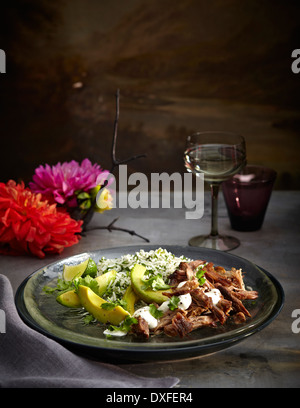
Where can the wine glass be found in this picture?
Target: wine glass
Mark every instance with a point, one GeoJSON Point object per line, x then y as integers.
{"type": "Point", "coordinates": [218, 155]}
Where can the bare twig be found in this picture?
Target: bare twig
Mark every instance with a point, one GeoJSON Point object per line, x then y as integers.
{"type": "Point", "coordinates": [114, 160]}
{"type": "Point", "coordinates": [115, 163]}
{"type": "Point", "coordinates": [111, 227]}
{"type": "Point", "coordinates": [114, 141]}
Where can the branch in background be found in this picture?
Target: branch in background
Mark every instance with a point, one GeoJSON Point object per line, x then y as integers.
{"type": "Point", "coordinates": [115, 163]}
{"type": "Point", "coordinates": [111, 227]}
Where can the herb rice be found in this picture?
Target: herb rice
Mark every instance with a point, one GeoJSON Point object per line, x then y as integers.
{"type": "Point", "coordinates": [158, 261]}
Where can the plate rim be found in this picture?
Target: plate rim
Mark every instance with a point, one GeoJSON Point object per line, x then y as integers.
{"type": "Point", "coordinates": [144, 353]}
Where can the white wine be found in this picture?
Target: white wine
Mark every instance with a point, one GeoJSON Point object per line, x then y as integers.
{"type": "Point", "coordinates": [218, 162]}
{"type": "Point", "coordinates": [218, 156]}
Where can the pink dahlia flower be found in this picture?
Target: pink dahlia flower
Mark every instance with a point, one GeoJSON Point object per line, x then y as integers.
{"type": "Point", "coordinates": [60, 182]}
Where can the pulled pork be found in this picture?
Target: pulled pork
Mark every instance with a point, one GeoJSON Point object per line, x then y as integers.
{"type": "Point", "coordinates": [202, 311]}
{"type": "Point", "coordinates": [141, 328]}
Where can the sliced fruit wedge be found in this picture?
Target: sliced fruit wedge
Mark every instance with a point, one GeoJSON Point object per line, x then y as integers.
{"type": "Point", "coordinates": [104, 280]}
{"type": "Point", "coordinates": [69, 299]}
{"type": "Point", "coordinates": [92, 303]}
{"type": "Point", "coordinates": [87, 267]}
{"type": "Point", "coordinates": [148, 295]}
{"type": "Point", "coordinates": [71, 272]}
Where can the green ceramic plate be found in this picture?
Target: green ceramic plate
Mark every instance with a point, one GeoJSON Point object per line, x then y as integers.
{"type": "Point", "coordinates": [41, 312]}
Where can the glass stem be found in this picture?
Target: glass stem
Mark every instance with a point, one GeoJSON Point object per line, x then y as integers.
{"type": "Point", "coordinates": [214, 209]}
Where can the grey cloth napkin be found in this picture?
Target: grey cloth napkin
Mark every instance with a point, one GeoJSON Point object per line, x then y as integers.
{"type": "Point", "coordinates": [32, 360]}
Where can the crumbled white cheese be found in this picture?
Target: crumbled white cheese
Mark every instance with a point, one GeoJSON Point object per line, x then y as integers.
{"type": "Point", "coordinates": [183, 304]}
{"type": "Point", "coordinates": [164, 307]}
{"type": "Point", "coordinates": [144, 312]}
{"type": "Point", "coordinates": [184, 301]}
{"type": "Point", "coordinates": [215, 295]}
{"type": "Point", "coordinates": [117, 333]}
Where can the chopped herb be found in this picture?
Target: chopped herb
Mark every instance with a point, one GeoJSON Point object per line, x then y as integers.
{"type": "Point", "coordinates": [200, 275]}
{"type": "Point", "coordinates": [155, 312]}
{"type": "Point", "coordinates": [108, 306]}
{"type": "Point", "coordinates": [125, 325]}
{"type": "Point", "coordinates": [174, 301]}
{"type": "Point", "coordinates": [86, 281]}
{"type": "Point", "coordinates": [112, 305]}
{"type": "Point", "coordinates": [62, 286]}
{"type": "Point", "coordinates": [122, 303]}
{"type": "Point", "coordinates": [88, 319]}
{"type": "Point", "coordinates": [128, 322]}
{"type": "Point", "coordinates": [155, 283]}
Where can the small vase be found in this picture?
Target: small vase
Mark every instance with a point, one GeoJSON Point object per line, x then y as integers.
{"type": "Point", "coordinates": [78, 215]}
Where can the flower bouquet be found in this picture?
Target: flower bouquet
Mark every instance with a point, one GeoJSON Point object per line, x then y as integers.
{"type": "Point", "coordinates": [49, 215]}
{"type": "Point", "coordinates": [74, 186]}
{"type": "Point", "coordinates": [53, 211]}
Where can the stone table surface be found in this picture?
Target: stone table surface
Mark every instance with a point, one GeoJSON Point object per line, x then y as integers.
{"type": "Point", "coordinates": [269, 358]}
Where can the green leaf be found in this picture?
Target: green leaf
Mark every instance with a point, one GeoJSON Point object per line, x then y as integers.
{"type": "Point", "coordinates": [88, 319]}
{"type": "Point", "coordinates": [83, 195]}
{"type": "Point", "coordinates": [155, 283]}
{"type": "Point", "coordinates": [173, 304]}
{"type": "Point", "coordinates": [112, 305]}
{"type": "Point", "coordinates": [122, 303]}
{"type": "Point", "coordinates": [155, 312]}
{"type": "Point", "coordinates": [49, 290]}
{"type": "Point", "coordinates": [61, 286]}
{"type": "Point", "coordinates": [200, 275]}
{"type": "Point", "coordinates": [85, 205]}
{"type": "Point", "coordinates": [128, 322]}
{"type": "Point", "coordinates": [94, 191]}
{"type": "Point", "coordinates": [108, 305]}
{"type": "Point", "coordinates": [125, 325]}
{"type": "Point", "coordinates": [86, 281]}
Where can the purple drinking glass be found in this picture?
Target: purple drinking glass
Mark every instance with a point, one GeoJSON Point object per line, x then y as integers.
{"type": "Point", "coordinates": [247, 195]}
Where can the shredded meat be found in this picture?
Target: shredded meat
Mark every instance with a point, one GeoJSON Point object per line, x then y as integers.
{"type": "Point", "coordinates": [200, 299]}
{"type": "Point", "coordinates": [203, 320]}
{"type": "Point", "coordinates": [225, 305]}
{"type": "Point", "coordinates": [236, 303]}
{"type": "Point", "coordinates": [202, 310]}
{"type": "Point", "coordinates": [184, 289]}
{"type": "Point", "coordinates": [245, 294]}
{"type": "Point", "coordinates": [185, 272]}
{"type": "Point", "coordinates": [239, 318]}
{"type": "Point", "coordinates": [165, 321]}
{"type": "Point", "coordinates": [141, 328]}
{"type": "Point", "coordinates": [219, 314]}
{"type": "Point", "coordinates": [215, 277]}
{"type": "Point", "coordinates": [180, 326]}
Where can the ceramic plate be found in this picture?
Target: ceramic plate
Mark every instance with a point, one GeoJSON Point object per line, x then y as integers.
{"type": "Point", "coordinates": [41, 312]}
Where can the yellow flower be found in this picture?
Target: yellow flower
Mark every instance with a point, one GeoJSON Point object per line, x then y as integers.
{"type": "Point", "coordinates": [104, 201]}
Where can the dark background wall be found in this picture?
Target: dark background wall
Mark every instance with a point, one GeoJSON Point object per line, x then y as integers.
{"type": "Point", "coordinates": [181, 67]}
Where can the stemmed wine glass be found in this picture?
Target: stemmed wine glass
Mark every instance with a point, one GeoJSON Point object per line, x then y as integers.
{"type": "Point", "coordinates": [218, 155]}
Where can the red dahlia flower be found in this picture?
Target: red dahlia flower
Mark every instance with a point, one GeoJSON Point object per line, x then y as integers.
{"type": "Point", "coordinates": [29, 224]}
